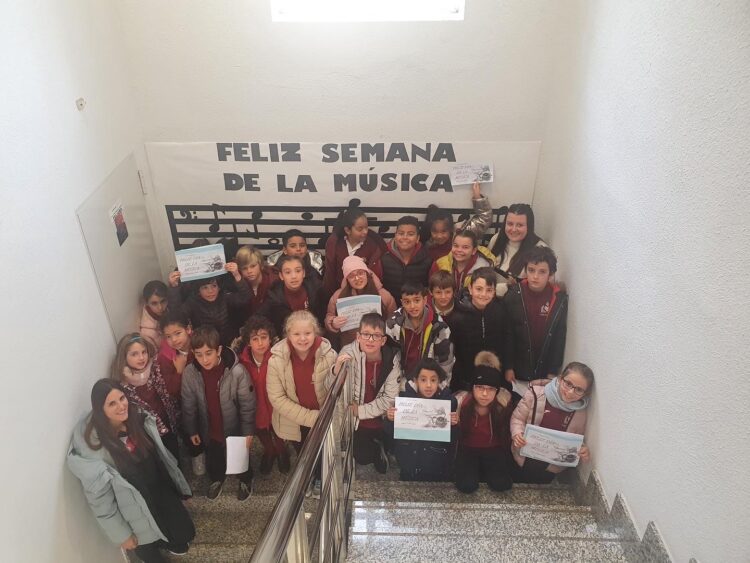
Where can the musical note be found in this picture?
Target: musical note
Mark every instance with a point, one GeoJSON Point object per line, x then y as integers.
{"type": "Point", "coordinates": [307, 216]}
{"type": "Point", "coordinates": [256, 216]}
{"type": "Point", "coordinates": [214, 227]}
{"type": "Point", "coordinates": [189, 215]}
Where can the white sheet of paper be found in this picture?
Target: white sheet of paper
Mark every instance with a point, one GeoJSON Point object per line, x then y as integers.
{"type": "Point", "coordinates": [552, 446]}
{"type": "Point", "coordinates": [353, 308]}
{"type": "Point", "coordinates": [422, 419]}
{"type": "Point", "coordinates": [466, 173]}
{"type": "Point", "coordinates": [238, 456]}
{"type": "Point", "coordinates": [201, 262]}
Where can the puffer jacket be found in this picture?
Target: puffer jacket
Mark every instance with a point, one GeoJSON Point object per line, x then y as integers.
{"type": "Point", "coordinates": [313, 262]}
{"type": "Point", "coordinates": [483, 258]}
{"type": "Point", "coordinates": [288, 415]}
{"type": "Point", "coordinates": [518, 355]}
{"type": "Point", "coordinates": [530, 410]}
{"type": "Point", "coordinates": [236, 394]}
{"type": "Point", "coordinates": [119, 508]}
{"type": "Point", "coordinates": [478, 223]}
{"type": "Point", "coordinates": [396, 273]}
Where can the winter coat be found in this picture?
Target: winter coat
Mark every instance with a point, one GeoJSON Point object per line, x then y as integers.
{"type": "Point", "coordinates": [288, 415]}
{"type": "Point", "coordinates": [530, 410]}
{"type": "Point", "coordinates": [276, 309]}
{"type": "Point", "coordinates": [500, 413]}
{"type": "Point", "coordinates": [387, 383]}
{"type": "Point", "coordinates": [155, 381]}
{"type": "Point", "coordinates": [474, 331]}
{"type": "Point", "coordinates": [396, 273]}
{"type": "Point", "coordinates": [387, 305]}
{"type": "Point", "coordinates": [422, 460]}
{"type": "Point", "coordinates": [149, 328]}
{"type": "Point", "coordinates": [435, 341]}
{"type": "Point", "coordinates": [313, 262]}
{"type": "Point", "coordinates": [478, 223]}
{"type": "Point", "coordinates": [236, 395]}
{"type": "Point", "coordinates": [371, 252]}
{"type": "Point", "coordinates": [483, 259]}
{"type": "Point", "coordinates": [119, 508]}
{"type": "Point", "coordinates": [518, 355]}
{"type": "Point", "coordinates": [214, 313]}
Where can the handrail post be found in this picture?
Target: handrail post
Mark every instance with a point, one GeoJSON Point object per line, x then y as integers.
{"type": "Point", "coordinates": [297, 550]}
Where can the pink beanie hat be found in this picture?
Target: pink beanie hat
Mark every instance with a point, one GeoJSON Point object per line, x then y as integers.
{"type": "Point", "coordinates": [352, 264]}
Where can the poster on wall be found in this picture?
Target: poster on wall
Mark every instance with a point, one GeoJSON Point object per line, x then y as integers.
{"type": "Point", "coordinates": [118, 220]}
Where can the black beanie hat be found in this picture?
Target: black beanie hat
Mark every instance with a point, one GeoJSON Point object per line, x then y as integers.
{"type": "Point", "coordinates": [486, 375]}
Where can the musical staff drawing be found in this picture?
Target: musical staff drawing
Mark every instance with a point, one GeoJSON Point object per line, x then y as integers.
{"type": "Point", "coordinates": [264, 226]}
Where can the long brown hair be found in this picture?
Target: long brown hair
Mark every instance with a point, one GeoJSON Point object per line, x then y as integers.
{"type": "Point", "coordinates": [106, 434]}
{"type": "Point", "coordinates": [369, 289]}
{"type": "Point", "coordinates": [122, 352]}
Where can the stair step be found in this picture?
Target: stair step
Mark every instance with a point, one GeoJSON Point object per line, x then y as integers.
{"type": "Point", "coordinates": [400, 491]}
{"type": "Point", "coordinates": [449, 549]}
{"type": "Point", "coordinates": [214, 553]}
{"type": "Point", "coordinates": [474, 520]}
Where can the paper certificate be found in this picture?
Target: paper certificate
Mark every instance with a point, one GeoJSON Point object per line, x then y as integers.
{"type": "Point", "coordinates": [238, 456]}
{"type": "Point", "coordinates": [552, 446]}
{"type": "Point", "coordinates": [353, 308]}
{"type": "Point", "coordinates": [422, 419]}
{"type": "Point", "coordinates": [202, 262]}
{"type": "Point", "coordinates": [470, 173]}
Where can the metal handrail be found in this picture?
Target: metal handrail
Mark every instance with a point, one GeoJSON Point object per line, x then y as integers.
{"type": "Point", "coordinates": [287, 519]}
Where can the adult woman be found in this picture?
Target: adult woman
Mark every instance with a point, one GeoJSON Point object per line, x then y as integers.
{"type": "Point", "coordinates": [132, 483]}
{"type": "Point", "coordinates": [511, 243]}
{"type": "Point", "coordinates": [358, 280]}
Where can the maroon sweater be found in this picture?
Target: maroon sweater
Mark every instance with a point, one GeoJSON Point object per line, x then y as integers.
{"type": "Point", "coordinates": [371, 252]}
{"type": "Point", "coordinates": [303, 371]}
{"type": "Point", "coordinates": [213, 402]}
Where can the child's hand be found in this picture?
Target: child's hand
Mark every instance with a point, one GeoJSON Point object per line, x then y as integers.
{"type": "Point", "coordinates": [195, 440]}
{"type": "Point", "coordinates": [454, 418]}
{"type": "Point", "coordinates": [248, 441]}
{"type": "Point", "coordinates": [338, 322]}
{"type": "Point", "coordinates": [510, 375]}
{"type": "Point", "coordinates": [174, 278]}
{"type": "Point", "coordinates": [476, 191]}
{"type": "Point", "coordinates": [340, 360]}
{"type": "Point", "coordinates": [518, 441]}
{"type": "Point", "coordinates": [391, 414]}
{"type": "Point", "coordinates": [179, 362]}
{"type": "Point", "coordinates": [584, 453]}
{"type": "Point", "coordinates": [232, 268]}
{"type": "Point", "coordinates": [130, 543]}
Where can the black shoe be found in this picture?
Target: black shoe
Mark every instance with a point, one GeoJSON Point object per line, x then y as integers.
{"type": "Point", "coordinates": [381, 462]}
{"type": "Point", "coordinates": [283, 462]}
{"type": "Point", "coordinates": [266, 464]}
{"type": "Point", "coordinates": [244, 491]}
{"type": "Point", "coordinates": [178, 548]}
{"type": "Point", "coordinates": [214, 490]}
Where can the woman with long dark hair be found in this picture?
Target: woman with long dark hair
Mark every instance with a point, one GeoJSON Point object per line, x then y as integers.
{"type": "Point", "coordinates": [131, 481]}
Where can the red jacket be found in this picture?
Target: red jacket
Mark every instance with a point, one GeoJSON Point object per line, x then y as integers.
{"type": "Point", "coordinates": [258, 380]}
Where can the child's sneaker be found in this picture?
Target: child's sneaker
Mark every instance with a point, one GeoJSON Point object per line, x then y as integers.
{"type": "Point", "coordinates": [381, 462]}
{"type": "Point", "coordinates": [245, 490]}
{"type": "Point", "coordinates": [178, 548]}
{"type": "Point", "coordinates": [214, 490]}
{"type": "Point", "coordinates": [266, 464]}
{"type": "Point", "coordinates": [199, 465]}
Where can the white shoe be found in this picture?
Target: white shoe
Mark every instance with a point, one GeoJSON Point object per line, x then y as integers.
{"type": "Point", "coordinates": [199, 464]}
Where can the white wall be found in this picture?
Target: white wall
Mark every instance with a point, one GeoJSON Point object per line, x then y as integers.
{"type": "Point", "coordinates": [643, 191]}
{"type": "Point", "coordinates": [55, 333]}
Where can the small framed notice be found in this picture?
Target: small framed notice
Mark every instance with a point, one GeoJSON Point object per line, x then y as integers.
{"type": "Point", "coordinates": [201, 262]}
{"type": "Point", "coordinates": [422, 419]}
{"type": "Point", "coordinates": [552, 446]}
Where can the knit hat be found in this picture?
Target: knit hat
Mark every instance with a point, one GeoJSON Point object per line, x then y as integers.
{"type": "Point", "coordinates": [352, 264]}
{"type": "Point", "coordinates": [486, 375]}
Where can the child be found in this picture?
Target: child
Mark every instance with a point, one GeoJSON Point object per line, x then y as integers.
{"type": "Point", "coordinates": [351, 236]}
{"type": "Point", "coordinates": [175, 353]}
{"type": "Point", "coordinates": [358, 280]}
{"type": "Point", "coordinates": [259, 276]}
{"type": "Point", "coordinates": [537, 311]}
{"type": "Point", "coordinates": [514, 239]}
{"type": "Point", "coordinates": [465, 257]}
{"type": "Point", "coordinates": [559, 404]}
{"type": "Point", "coordinates": [438, 229]}
{"type": "Point", "coordinates": [374, 372]}
{"type": "Point", "coordinates": [293, 291]}
{"type": "Point", "coordinates": [294, 243]}
{"type": "Point", "coordinates": [405, 258]}
{"type": "Point", "coordinates": [211, 305]}
{"type": "Point", "coordinates": [135, 369]}
{"type": "Point", "coordinates": [443, 293]}
{"type": "Point", "coordinates": [484, 441]}
{"type": "Point", "coordinates": [154, 307]}
{"type": "Point", "coordinates": [419, 331]}
{"type": "Point", "coordinates": [217, 401]}
{"type": "Point", "coordinates": [254, 349]}
{"type": "Point", "coordinates": [296, 380]}
{"type": "Point", "coordinates": [422, 460]}
{"type": "Point", "coordinates": [478, 323]}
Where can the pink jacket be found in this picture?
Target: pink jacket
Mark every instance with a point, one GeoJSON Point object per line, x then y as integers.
{"type": "Point", "coordinates": [149, 328]}
{"type": "Point", "coordinates": [523, 415]}
{"type": "Point", "coordinates": [387, 302]}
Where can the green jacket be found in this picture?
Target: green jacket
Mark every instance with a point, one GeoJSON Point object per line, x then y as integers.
{"type": "Point", "coordinates": [119, 507]}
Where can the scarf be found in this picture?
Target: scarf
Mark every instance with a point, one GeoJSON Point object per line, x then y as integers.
{"type": "Point", "coordinates": [137, 378]}
{"type": "Point", "coordinates": [552, 392]}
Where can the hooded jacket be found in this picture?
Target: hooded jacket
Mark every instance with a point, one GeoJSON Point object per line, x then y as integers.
{"type": "Point", "coordinates": [119, 508]}
{"type": "Point", "coordinates": [531, 364]}
{"type": "Point", "coordinates": [288, 415]}
{"type": "Point", "coordinates": [396, 273]}
{"type": "Point", "coordinates": [236, 395]}
{"type": "Point", "coordinates": [474, 331]}
{"type": "Point", "coordinates": [481, 259]}
{"type": "Point", "coordinates": [501, 410]}
{"type": "Point", "coordinates": [276, 309]}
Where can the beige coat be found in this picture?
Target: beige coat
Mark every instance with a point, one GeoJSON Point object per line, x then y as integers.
{"type": "Point", "coordinates": [288, 415]}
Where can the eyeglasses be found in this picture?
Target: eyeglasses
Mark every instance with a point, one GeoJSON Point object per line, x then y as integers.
{"type": "Point", "coordinates": [485, 389]}
{"type": "Point", "coordinates": [572, 388]}
{"type": "Point", "coordinates": [357, 274]}
{"type": "Point", "coordinates": [370, 336]}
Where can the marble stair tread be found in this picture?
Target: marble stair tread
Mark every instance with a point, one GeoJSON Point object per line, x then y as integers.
{"type": "Point", "coordinates": [214, 553]}
{"type": "Point", "coordinates": [458, 520]}
{"type": "Point", "coordinates": [449, 549]}
{"type": "Point", "coordinates": [399, 491]}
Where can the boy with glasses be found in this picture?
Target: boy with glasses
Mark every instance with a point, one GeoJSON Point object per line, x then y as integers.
{"type": "Point", "coordinates": [374, 371]}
